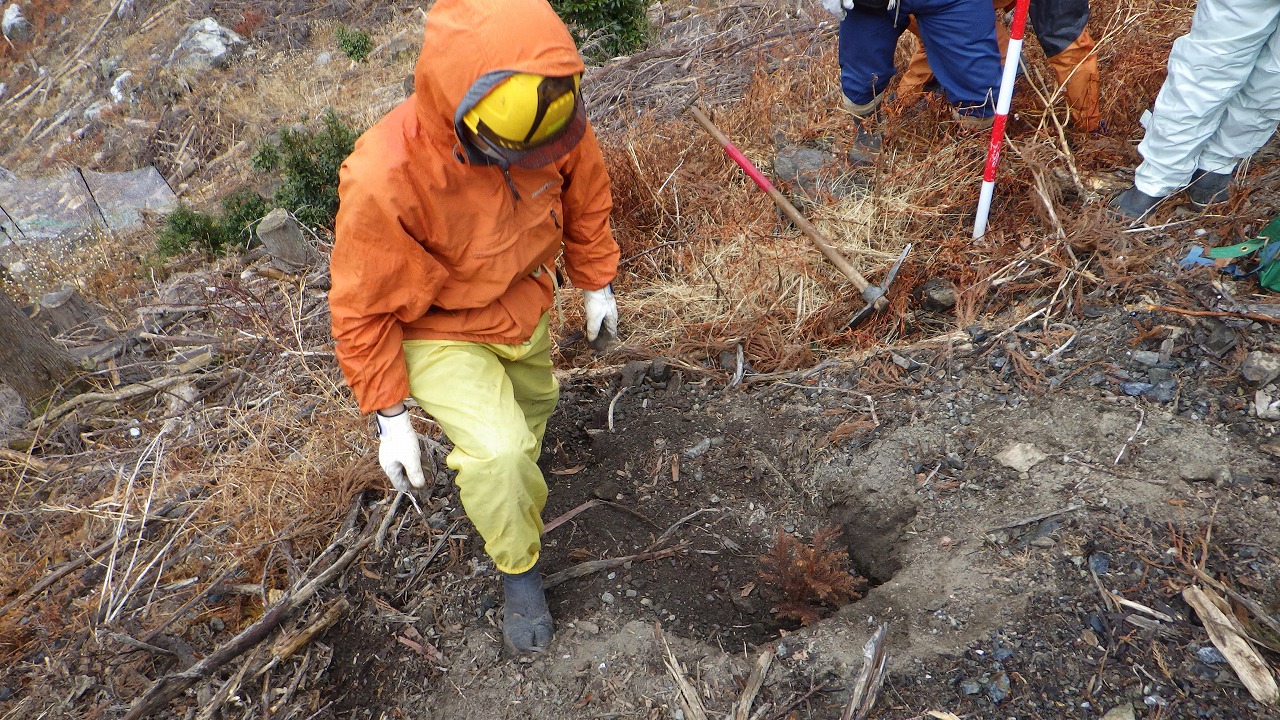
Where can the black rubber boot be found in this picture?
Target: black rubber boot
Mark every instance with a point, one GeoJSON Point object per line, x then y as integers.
{"type": "Point", "coordinates": [867, 145]}
{"type": "Point", "coordinates": [1208, 188]}
{"type": "Point", "coordinates": [867, 140]}
{"type": "Point", "coordinates": [1133, 205]}
{"type": "Point", "coordinates": [526, 620]}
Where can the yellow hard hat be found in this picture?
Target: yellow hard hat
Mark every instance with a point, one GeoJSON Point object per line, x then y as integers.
{"type": "Point", "coordinates": [529, 120]}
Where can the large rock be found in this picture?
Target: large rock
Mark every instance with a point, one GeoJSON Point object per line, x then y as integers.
{"type": "Point", "coordinates": [14, 25]}
{"type": "Point", "coordinates": [206, 45]}
{"type": "Point", "coordinates": [1260, 368]}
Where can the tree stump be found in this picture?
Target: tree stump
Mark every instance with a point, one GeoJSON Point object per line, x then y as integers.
{"type": "Point", "coordinates": [65, 309]}
{"type": "Point", "coordinates": [30, 361]}
{"type": "Point", "coordinates": [285, 243]}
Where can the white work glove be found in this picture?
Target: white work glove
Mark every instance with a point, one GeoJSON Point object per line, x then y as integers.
{"type": "Point", "coordinates": [399, 453]}
{"type": "Point", "coordinates": [602, 316]}
{"type": "Point", "coordinates": [838, 7]}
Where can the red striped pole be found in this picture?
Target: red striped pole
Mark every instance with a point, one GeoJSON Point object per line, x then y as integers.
{"type": "Point", "coordinates": [1011, 60]}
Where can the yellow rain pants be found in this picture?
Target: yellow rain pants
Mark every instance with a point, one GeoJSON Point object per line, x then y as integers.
{"type": "Point", "coordinates": [493, 402]}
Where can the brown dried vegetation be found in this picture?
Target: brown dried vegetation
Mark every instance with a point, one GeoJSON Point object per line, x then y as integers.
{"type": "Point", "coordinates": [804, 578]}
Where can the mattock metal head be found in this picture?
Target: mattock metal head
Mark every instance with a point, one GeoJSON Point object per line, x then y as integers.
{"type": "Point", "coordinates": [875, 296]}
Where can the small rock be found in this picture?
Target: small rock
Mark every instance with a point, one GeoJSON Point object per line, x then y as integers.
{"type": "Point", "coordinates": [937, 294]}
{"type": "Point", "coordinates": [1260, 368]}
{"type": "Point", "coordinates": [1146, 357]}
{"type": "Point", "coordinates": [400, 46]}
{"type": "Point", "coordinates": [608, 598]}
{"type": "Point", "coordinates": [5, 693]}
{"type": "Point", "coordinates": [970, 687]}
{"type": "Point", "coordinates": [606, 490]}
{"type": "Point", "coordinates": [906, 363]}
{"type": "Point", "coordinates": [205, 46]}
{"type": "Point", "coordinates": [1134, 389]}
{"type": "Point", "coordinates": [630, 593]}
{"type": "Point", "coordinates": [15, 26]}
{"type": "Point", "coordinates": [998, 689]}
{"type": "Point", "coordinates": [1099, 563]}
{"type": "Point", "coordinates": [217, 624]}
{"type": "Point", "coordinates": [123, 87]}
{"type": "Point", "coordinates": [1002, 654]}
{"type": "Point", "coordinates": [588, 627]}
{"type": "Point", "coordinates": [1163, 391]}
{"type": "Point", "coordinates": [1043, 542]}
{"type": "Point", "coordinates": [1120, 712]}
{"type": "Point", "coordinates": [1265, 406]}
{"type": "Point", "coordinates": [698, 450]}
{"type": "Point", "coordinates": [1210, 655]}
{"type": "Point", "coordinates": [1021, 457]}
{"type": "Point", "coordinates": [1220, 340]}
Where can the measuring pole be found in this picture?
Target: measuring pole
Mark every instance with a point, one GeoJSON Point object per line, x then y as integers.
{"type": "Point", "coordinates": [1011, 59]}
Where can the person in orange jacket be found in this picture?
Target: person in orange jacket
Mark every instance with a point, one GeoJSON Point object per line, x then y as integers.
{"type": "Point", "coordinates": [1059, 26]}
{"type": "Point", "coordinates": [452, 211]}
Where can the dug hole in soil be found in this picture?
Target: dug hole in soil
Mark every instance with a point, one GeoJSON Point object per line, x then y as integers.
{"type": "Point", "coordinates": [988, 572]}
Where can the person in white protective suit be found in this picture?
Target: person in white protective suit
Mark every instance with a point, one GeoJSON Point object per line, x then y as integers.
{"type": "Point", "coordinates": [1218, 105]}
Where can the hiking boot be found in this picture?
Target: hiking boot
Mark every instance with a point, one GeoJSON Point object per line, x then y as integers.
{"type": "Point", "coordinates": [1208, 188]}
{"type": "Point", "coordinates": [526, 620]}
{"type": "Point", "coordinates": [974, 122]}
{"type": "Point", "coordinates": [867, 141]}
{"type": "Point", "coordinates": [1132, 205]}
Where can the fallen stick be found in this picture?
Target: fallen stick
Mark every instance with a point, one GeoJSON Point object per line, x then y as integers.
{"type": "Point", "coordinates": [1252, 670]}
{"type": "Point", "coordinates": [1258, 611]}
{"type": "Point", "coordinates": [1037, 518]}
{"type": "Point", "coordinates": [286, 647]}
{"type": "Point", "coordinates": [1214, 313]}
{"type": "Point", "coordinates": [742, 711]}
{"type": "Point", "coordinates": [569, 516]}
{"type": "Point", "coordinates": [171, 686]}
{"type": "Point", "coordinates": [128, 392]}
{"type": "Point", "coordinates": [690, 701]}
{"type": "Point", "coordinates": [866, 688]}
{"type": "Point", "coordinates": [595, 566]}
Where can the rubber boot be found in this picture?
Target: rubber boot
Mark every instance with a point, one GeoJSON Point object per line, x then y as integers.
{"type": "Point", "coordinates": [867, 140]}
{"type": "Point", "coordinates": [1208, 188]}
{"type": "Point", "coordinates": [1132, 205]}
{"type": "Point", "coordinates": [526, 620]}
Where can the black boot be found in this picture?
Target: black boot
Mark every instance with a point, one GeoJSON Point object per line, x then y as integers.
{"type": "Point", "coordinates": [1208, 188]}
{"type": "Point", "coordinates": [526, 620]}
{"type": "Point", "coordinates": [1132, 205]}
{"type": "Point", "coordinates": [867, 140]}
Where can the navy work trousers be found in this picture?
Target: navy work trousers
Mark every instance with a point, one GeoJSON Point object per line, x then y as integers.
{"type": "Point", "coordinates": [959, 35]}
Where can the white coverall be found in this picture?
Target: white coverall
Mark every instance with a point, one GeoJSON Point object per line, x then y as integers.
{"type": "Point", "coordinates": [1221, 99]}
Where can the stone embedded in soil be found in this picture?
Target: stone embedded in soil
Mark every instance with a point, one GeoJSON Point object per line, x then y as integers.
{"type": "Point", "coordinates": [1146, 357]}
{"type": "Point", "coordinates": [1210, 656]}
{"type": "Point", "coordinates": [608, 598]}
{"type": "Point", "coordinates": [937, 294]}
{"type": "Point", "coordinates": [1220, 341]}
{"type": "Point", "coordinates": [15, 26]}
{"type": "Point", "coordinates": [1260, 368]}
{"type": "Point", "coordinates": [1021, 457]}
{"type": "Point", "coordinates": [1134, 389]}
{"type": "Point", "coordinates": [1120, 712]}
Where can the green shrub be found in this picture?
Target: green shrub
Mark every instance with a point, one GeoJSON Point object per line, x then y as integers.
{"type": "Point", "coordinates": [187, 229]}
{"type": "Point", "coordinates": [355, 44]}
{"type": "Point", "coordinates": [309, 161]}
{"type": "Point", "coordinates": [611, 27]}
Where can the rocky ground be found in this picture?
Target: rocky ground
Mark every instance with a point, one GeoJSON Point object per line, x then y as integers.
{"type": "Point", "coordinates": [1023, 495]}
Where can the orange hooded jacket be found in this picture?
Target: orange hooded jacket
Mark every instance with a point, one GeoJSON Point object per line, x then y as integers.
{"type": "Point", "coordinates": [435, 242]}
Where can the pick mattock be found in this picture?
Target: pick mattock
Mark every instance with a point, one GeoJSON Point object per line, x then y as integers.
{"type": "Point", "coordinates": [872, 295]}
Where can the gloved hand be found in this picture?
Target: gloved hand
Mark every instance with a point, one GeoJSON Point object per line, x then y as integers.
{"type": "Point", "coordinates": [838, 7]}
{"type": "Point", "coordinates": [399, 453]}
{"type": "Point", "coordinates": [602, 316]}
